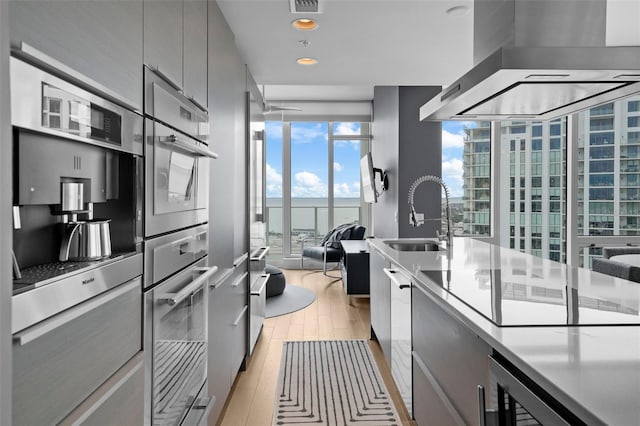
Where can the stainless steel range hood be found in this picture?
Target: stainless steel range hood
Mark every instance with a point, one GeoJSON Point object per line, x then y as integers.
{"type": "Point", "coordinates": [539, 59]}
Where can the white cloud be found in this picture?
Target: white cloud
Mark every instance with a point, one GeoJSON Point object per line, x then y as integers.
{"type": "Point", "coordinates": [274, 182]}
{"type": "Point", "coordinates": [307, 134]}
{"type": "Point", "coordinates": [452, 175]}
{"type": "Point", "coordinates": [355, 145]}
{"type": "Point", "coordinates": [307, 184]}
{"type": "Point", "coordinates": [337, 166]}
{"type": "Point", "coordinates": [347, 129]}
{"type": "Point", "coordinates": [345, 190]}
{"type": "Point", "coordinates": [452, 140]}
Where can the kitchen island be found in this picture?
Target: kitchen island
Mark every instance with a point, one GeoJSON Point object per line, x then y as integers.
{"type": "Point", "coordinates": [574, 333]}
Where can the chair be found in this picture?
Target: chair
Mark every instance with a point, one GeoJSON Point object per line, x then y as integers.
{"type": "Point", "coordinates": [329, 248]}
{"type": "Point", "coordinates": [615, 262]}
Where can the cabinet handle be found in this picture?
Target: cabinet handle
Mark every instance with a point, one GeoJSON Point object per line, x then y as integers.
{"type": "Point", "coordinates": [241, 259]}
{"type": "Point", "coordinates": [196, 103]}
{"type": "Point", "coordinates": [482, 420]}
{"type": "Point", "coordinates": [237, 282]}
{"type": "Point", "coordinates": [259, 292]}
{"type": "Point", "coordinates": [242, 312]}
{"type": "Point", "coordinates": [165, 78]}
{"type": "Point", "coordinates": [263, 252]}
{"type": "Point", "coordinates": [398, 278]}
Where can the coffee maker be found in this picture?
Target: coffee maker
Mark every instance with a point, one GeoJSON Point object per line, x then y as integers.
{"type": "Point", "coordinates": [82, 240]}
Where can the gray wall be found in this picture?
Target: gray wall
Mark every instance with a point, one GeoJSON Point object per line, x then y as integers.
{"type": "Point", "coordinates": [406, 148]}
{"type": "Point", "coordinates": [226, 109]}
{"type": "Point", "coordinates": [5, 221]}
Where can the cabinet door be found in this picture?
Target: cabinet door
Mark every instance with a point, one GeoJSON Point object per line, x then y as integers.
{"type": "Point", "coordinates": [380, 302]}
{"type": "Point", "coordinates": [99, 39]}
{"type": "Point", "coordinates": [218, 354]}
{"type": "Point", "coordinates": [163, 37]}
{"type": "Point", "coordinates": [195, 51]}
{"type": "Point", "coordinates": [457, 358]}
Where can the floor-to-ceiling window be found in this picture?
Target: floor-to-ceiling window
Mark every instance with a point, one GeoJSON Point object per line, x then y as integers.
{"type": "Point", "coordinates": [559, 189]}
{"type": "Point", "coordinates": [608, 162]}
{"type": "Point", "coordinates": [312, 181]}
{"type": "Point", "coordinates": [466, 169]}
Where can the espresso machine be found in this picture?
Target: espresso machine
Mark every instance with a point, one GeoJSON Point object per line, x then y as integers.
{"type": "Point", "coordinates": [68, 199]}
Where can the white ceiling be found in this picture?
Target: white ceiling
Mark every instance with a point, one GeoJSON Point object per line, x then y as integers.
{"type": "Point", "coordinates": [359, 44]}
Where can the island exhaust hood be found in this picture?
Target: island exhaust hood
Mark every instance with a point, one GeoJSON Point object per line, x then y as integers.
{"type": "Point", "coordinates": [539, 60]}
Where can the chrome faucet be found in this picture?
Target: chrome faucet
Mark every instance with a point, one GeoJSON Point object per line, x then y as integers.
{"type": "Point", "coordinates": [417, 219]}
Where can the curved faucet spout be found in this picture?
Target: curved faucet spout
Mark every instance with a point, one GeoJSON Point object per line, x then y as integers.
{"type": "Point", "coordinates": [417, 219]}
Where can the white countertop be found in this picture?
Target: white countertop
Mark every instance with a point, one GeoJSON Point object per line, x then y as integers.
{"type": "Point", "coordinates": [592, 370]}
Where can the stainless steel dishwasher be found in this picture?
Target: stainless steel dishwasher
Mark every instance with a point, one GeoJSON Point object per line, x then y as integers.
{"type": "Point", "coordinates": [401, 334]}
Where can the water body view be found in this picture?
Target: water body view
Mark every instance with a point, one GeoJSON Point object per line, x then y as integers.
{"type": "Point", "coordinates": [309, 216]}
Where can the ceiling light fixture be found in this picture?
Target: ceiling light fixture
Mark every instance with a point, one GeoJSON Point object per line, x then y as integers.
{"type": "Point", "coordinates": [457, 10]}
{"type": "Point", "coordinates": [304, 24]}
{"type": "Point", "coordinates": [307, 61]}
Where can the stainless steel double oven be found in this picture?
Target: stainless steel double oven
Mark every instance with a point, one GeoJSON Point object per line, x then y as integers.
{"type": "Point", "coordinates": [177, 273]}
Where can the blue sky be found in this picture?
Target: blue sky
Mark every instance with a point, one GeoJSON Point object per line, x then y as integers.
{"type": "Point", "coordinates": [309, 157]}
{"type": "Point", "coordinates": [452, 148]}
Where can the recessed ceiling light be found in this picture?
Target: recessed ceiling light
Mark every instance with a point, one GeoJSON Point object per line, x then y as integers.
{"type": "Point", "coordinates": [304, 24]}
{"type": "Point", "coordinates": [307, 61]}
{"type": "Point", "coordinates": [457, 10]}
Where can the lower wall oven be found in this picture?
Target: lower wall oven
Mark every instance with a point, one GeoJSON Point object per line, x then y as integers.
{"type": "Point", "coordinates": [176, 328]}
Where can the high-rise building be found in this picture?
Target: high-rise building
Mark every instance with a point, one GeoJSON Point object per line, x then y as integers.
{"type": "Point", "coordinates": [533, 184]}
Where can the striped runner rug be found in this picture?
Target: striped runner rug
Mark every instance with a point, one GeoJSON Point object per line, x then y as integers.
{"type": "Point", "coordinates": [333, 383]}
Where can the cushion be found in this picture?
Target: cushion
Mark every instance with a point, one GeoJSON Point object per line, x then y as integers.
{"type": "Point", "coordinates": [333, 254]}
{"type": "Point", "coordinates": [616, 269]}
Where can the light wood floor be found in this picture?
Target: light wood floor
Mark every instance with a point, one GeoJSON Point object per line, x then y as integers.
{"type": "Point", "coordinates": [331, 317]}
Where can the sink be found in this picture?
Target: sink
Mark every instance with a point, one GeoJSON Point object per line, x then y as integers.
{"type": "Point", "coordinates": [400, 245]}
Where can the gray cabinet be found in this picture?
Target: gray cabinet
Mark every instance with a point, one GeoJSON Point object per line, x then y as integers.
{"type": "Point", "coordinates": [99, 39]}
{"type": "Point", "coordinates": [451, 362]}
{"type": "Point", "coordinates": [380, 302]}
{"type": "Point", "coordinates": [163, 38]}
{"type": "Point", "coordinates": [195, 51]}
{"type": "Point", "coordinates": [119, 401]}
{"type": "Point", "coordinates": [227, 333]}
{"type": "Point", "coordinates": [175, 44]}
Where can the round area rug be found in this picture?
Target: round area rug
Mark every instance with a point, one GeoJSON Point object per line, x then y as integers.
{"type": "Point", "coordinates": [292, 299]}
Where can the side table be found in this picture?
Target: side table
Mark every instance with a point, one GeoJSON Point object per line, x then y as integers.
{"type": "Point", "coordinates": [354, 267]}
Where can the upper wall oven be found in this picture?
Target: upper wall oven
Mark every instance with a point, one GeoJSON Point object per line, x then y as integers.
{"type": "Point", "coordinates": [176, 159]}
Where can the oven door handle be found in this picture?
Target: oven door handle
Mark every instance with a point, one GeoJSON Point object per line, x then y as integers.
{"type": "Point", "coordinates": [172, 299]}
{"type": "Point", "coordinates": [194, 149]}
{"type": "Point", "coordinates": [48, 325]}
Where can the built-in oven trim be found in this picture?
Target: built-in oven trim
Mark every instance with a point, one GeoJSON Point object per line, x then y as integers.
{"type": "Point", "coordinates": [27, 108]}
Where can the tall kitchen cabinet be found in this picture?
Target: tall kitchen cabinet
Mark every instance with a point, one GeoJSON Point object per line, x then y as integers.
{"type": "Point", "coordinates": [101, 40]}
{"type": "Point", "coordinates": [405, 148]}
{"type": "Point", "coordinates": [175, 44]}
{"type": "Point", "coordinates": [229, 300]}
